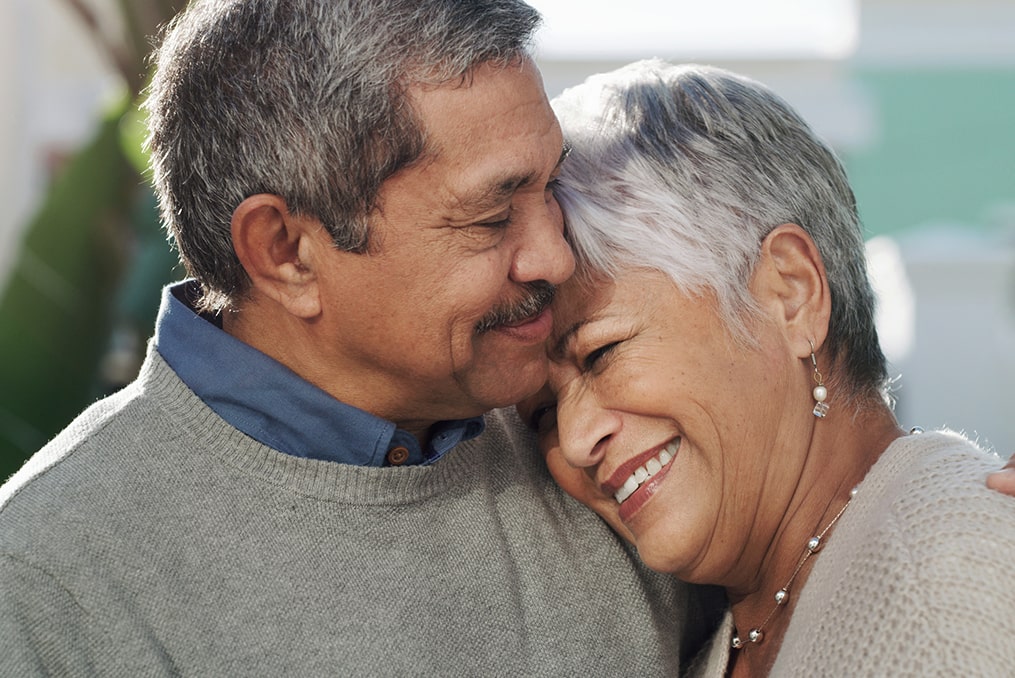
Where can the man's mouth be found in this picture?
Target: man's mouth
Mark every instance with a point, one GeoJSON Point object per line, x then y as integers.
{"type": "Point", "coordinates": [521, 321]}
{"type": "Point", "coordinates": [531, 330]}
{"type": "Point", "coordinates": [647, 470]}
{"type": "Point", "coordinates": [539, 296]}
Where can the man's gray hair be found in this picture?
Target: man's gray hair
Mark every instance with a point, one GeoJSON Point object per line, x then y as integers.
{"type": "Point", "coordinates": [305, 99]}
{"type": "Point", "coordinates": [686, 169]}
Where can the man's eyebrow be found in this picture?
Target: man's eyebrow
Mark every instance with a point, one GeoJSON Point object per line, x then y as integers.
{"type": "Point", "coordinates": [559, 348]}
{"type": "Point", "coordinates": [492, 195]}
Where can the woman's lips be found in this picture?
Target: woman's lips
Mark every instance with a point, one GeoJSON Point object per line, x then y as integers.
{"type": "Point", "coordinates": [632, 487]}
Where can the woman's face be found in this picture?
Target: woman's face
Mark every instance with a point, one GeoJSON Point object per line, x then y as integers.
{"type": "Point", "coordinates": [666, 427]}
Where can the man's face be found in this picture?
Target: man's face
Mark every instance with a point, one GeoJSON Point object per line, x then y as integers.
{"type": "Point", "coordinates": [446, 316]}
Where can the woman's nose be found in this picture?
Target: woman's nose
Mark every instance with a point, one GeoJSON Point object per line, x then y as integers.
{"type": "Point", "coordinates": [584, 428]}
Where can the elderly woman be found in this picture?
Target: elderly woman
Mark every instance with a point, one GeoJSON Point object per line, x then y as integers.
{"type": "Point", "coordinates": [718, 395]}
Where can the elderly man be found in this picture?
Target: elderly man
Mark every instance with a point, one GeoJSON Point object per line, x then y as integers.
{"type": "Point", "coordinates": [301, 480]}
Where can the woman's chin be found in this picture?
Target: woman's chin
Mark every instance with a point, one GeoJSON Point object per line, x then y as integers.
{"type": "Point", "coordinates": [686, 563]}
{"type": "Point", "coordinates": [662, 562]}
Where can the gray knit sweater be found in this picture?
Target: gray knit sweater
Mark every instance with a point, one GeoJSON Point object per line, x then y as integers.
{"type": "Point", "coordinates": [151, 538]}
{"type": "Point", "coordinates": [917, 579]}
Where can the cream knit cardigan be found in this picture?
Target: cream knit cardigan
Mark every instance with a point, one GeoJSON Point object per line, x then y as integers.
{"type": "Point", "coordinates": [917, 579]}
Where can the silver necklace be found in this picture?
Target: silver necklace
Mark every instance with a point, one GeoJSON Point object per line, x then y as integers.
{"type": "Point", "coordinates": [814, 544]}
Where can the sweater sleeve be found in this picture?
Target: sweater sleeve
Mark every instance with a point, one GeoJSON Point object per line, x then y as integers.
{"type": "Point", "coordinates": [46, 631]}
{"type": "Point", "coordinates": [43, 630]}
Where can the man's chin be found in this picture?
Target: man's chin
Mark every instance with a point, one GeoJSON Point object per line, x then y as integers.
{"type": "Point", "coordinates": [510, 382]}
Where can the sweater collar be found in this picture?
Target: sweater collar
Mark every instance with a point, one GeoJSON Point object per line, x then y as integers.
{"type": "Point", "coordinates": [272, 404]}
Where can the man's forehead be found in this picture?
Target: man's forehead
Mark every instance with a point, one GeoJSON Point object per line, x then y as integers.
{"type": "Point", "coordinates": [486, 136]}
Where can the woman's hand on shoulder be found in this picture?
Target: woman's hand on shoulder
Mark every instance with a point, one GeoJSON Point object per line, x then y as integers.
{"type": "Point", "coordinates": [1003, 481]}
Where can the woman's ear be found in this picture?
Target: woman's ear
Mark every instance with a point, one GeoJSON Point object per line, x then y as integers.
{"type": "Point", "coordinates": [791, 284]}
{"type": "Point", "coordinates": [276, 248]}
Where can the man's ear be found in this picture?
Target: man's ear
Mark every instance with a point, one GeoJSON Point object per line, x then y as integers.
{"type": "Point", "coordinates": [790, 284]}
{"type": "Point", "coordinates": [277, 248]}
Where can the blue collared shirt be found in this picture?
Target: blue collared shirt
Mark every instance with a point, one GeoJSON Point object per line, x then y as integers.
{"type": "Point", "coordinates": [273, 405]}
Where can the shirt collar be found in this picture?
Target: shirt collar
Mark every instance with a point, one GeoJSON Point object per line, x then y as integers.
{"type": "Point", "coordinates": [272, 404]}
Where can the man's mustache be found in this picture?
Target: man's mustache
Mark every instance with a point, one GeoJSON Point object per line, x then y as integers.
{"type": "Point", "coordinates": [538, 295]}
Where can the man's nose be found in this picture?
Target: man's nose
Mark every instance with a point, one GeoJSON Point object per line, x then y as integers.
{"type": "Point", "coordinates": [543, 253]}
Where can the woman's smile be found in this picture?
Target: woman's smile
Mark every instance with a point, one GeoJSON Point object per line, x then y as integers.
{"type": "Point", "coordinates": [632, 488]}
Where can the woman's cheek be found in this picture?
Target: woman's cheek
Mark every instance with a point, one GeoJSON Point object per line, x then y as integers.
{"type": "Point", "coordinates": [580, 485]}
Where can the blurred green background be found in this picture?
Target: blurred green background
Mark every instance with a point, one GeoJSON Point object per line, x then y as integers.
{"type": "Point", "coordinates": [81, 287]}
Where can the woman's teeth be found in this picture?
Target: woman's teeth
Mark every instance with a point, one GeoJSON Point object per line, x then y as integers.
{"type": "Point", "coordinates": [643, 473]}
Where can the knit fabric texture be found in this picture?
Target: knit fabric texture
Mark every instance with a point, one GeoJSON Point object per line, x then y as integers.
{"type": "Point", "coordinates": [917, 579]}
{"type": "Point", "coordinates": [151, 538]}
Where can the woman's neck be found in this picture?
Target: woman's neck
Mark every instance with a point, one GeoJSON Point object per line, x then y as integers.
{"type": "Point", "coordinates": [841, 452]}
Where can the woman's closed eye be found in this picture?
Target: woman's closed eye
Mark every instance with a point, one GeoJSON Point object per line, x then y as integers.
{"type": "Point", "coordinates": [596, 355]}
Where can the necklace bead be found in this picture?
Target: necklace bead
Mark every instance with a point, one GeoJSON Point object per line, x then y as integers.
{"type": "Point", "coordinates": [814, 544]}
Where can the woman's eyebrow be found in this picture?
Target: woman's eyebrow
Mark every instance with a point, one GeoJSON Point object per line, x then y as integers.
{"type": "Point", "coordinates": [559, 349]}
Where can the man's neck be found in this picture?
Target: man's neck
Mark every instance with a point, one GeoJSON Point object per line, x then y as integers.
{"type": "Point", "coordinates": [285, 339]}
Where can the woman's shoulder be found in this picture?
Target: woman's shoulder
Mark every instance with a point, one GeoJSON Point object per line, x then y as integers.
{"type": "Point", "coordinates": [918, 575]}
{"type": "Point", "coordinates": [935, 483]}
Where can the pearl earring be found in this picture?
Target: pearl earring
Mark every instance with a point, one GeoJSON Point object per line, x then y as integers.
{"type": "Point", "coordinates": [820, 393]}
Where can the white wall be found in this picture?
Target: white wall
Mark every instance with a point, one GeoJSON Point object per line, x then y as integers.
{"type": "Point", "coordinates": [956, 360]}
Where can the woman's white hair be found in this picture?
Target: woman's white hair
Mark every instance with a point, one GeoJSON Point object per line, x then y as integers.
{"type": "Point", "coordinates": [685, 169]}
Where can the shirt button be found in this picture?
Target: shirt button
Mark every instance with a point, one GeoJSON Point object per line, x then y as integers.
{"type": "Point", "coordinates": [398, 456]}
